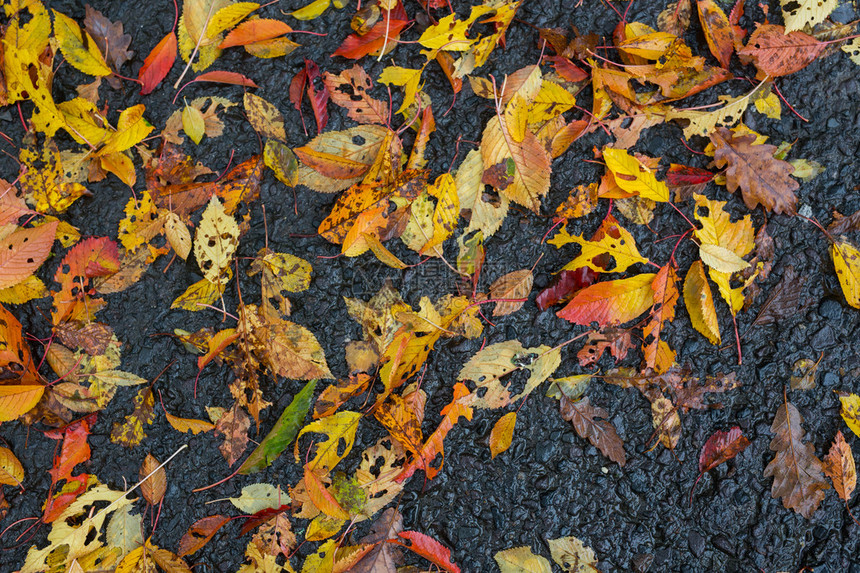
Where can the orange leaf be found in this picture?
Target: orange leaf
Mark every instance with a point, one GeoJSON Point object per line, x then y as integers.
{"type": "Point", "coordinates": [718, 31]}
{"type": "Point", "coordinates": [355, 46]}
{"type": "Point", "coordinates": [322, 498]}
{"type": "Point", "coordinates": [185, 424]}
{"type": "Point", "coordinates": [349, 90]}
{"type": "Point", "coordinates": [665, 297]}
{"type": "Point", "coordinates": [776, 53]}
{"type": "Point", "coordinates": [155, 486]}
{"type": "Point", "coordinates": [253, 31]}
{"type": "Point", "coordinates": [502, 434]}
{"type": "Point", "coordinates": [75, 448]}
{"type": "Point", "coordinates": [18, 400]}
{"type": "Point", "coordinates": [610, 302]}
{"type": "Point", "coordinates": [157, 64]}
{"type": "Point", "coordinates": [221, 77]}
{"type": "Point", "coordinates": [200, 532]}
{"type": "Point", "coordinates": [23, 251]}
{"type": "Point", "coordinates": [839, 467]}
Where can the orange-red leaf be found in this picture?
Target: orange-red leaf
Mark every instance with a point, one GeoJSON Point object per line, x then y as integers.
{"type": "Point", "coordinates": [157, 64]}
{"type": "Point", "coordinates": [321, 497]}
{"type": "Point", "coordinates": [718, 31]}
{"type": "Point", "coordinates": [839, 467]}
{"type": "Point", "coordinates": [23, 251]}
{"type": "Point", "coordinates": [429, 549]}
{"type": "Point", "coordinates": [75, 447]}
{"type": "Point", "coordinates": [355, 46]}
{"type": "Point", "coordinates": [199, 534]}
{"type": "Point", "coordinates": [610, 302]}
{"type": "Point", "coordinates": [222, 77]}
{"type": "Point", "coordinates": [665, 297]}
{"type": "Point", "coordinates": [776, 53]}
{"type": "Point", "coordinates": [252, 31]}
{"type": "Point", "coordinates": [720, 448]}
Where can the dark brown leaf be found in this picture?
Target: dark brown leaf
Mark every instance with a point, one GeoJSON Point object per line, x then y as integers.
{"type": "Point", "coordinates": [787, 298]}
{"type": "Point", "coordinates": [797, 474]}
{"type": "Point", "coordinates": [590, 423]}
{"type": "Point", "coordinates": [110, 39]}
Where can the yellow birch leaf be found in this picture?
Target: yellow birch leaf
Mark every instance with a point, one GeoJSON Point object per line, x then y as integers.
{"type": "Point", "coordinates": [769, 106]}
{"type": "Point", "coordinates": [178, 234]}
{"type": "Point", "coordinates": [798, 14]}
{"type": "Point", "coordinates": [131, 129]}
{"type": "Point", "coordinates": [614, 249]}
{"type": "Point", "coordinates": [312, 10]}
{"type": "Point", "coordinates": [29, 289]}
{"type": "Point", "coordinates": [852, 48]}
{"type": "Point", "coordinates": [533, 163]}
{"type": "Point", "coordinates": [572, 555]}
{"type": "Point", "coordinates": [705, 122]}
{"type": "Point", "coordinates": [229, 16]}
{"type": "Point", "coordinates": [16, 400]}
{"type": "Point", "coordinates": [850, 411]}
{"type": "Point", "coordinates": [215, 242]}
{"type": "Point", "coordinates": [700, 303]}
{"type": "Point", "coordinates": [193, 123]}
{"type": "Point", "coordinates": [339, 430]}
{"type": "Point", "coordinates": [83, 55]}
{"type": "Point", "coordinates": [521, 560]}
{"type": "Point", "coordinates": [721, 259]}
{"type": "Point", "coordinates": [11, 470]}
{"type": "Point", "coordinates": [502, 434]}
{"type": "Point", "coordinates": [450, 33]}
{"type": "Point", "coordinates": [633, 176]}
{"type": "Point", "coordinates": [406, 78]}
{"type": "Point", "coordinates": [846, 260]}
{"type": "Point", "coordinates": [201, 293]}
{"type": "Point", "coordinates": [551, 101]}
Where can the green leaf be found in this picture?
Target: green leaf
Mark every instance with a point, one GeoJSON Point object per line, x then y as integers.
{"type": "Point", "coordinates": [284, 432]}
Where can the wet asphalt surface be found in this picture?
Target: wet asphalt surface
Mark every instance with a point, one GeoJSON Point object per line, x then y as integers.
{"type": "Point", "coordinates": [551, 483]}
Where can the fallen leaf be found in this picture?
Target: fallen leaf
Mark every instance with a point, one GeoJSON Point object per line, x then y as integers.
{"type": "Point", "coordinates": [700, 303]}
{"type": "Point", "coordinates": [157, 64]}
{"type": "Point", "coordinates": [23, 251]}
{"type": "Point", "coordinates": [514, 285]}
{"type": "Point", "coordinates": [215, 242]}
{"type": "Point", "coordinates": [572, 555]}
{"type": "Point", "coordinates": [11, 470]}
{"type": "Point", "coordinates": [502, 434]}
{"type": "Point", "coordinates": [718, 31]}
{"type": "Point", "coordinates": [797, 473]}
{"type": "Point", "coordinates": [721, 447]}
{"type": "Point", "coordinates": [521, 560]}
{"type": "Point", "coordinates": [610, 302]}
{"type": "Point", "coordinates": [155, 486]}
{"type": "Point", "coordinates": [591, 423]}
{"type": "Point", "coordinates": [200, 533]}
{"type": "Point", "coordinates": [846, 260]}
{"type": "Point", "coordinates": [79, 48]}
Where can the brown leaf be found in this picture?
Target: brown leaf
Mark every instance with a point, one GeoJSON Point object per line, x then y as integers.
{"type": "Point", "coordinates": [787, 298]}
{"type": "Point", "coordinates": [839, 467]}
{"type": "Point", "coordinates": [618, 342]}
{"type": "Point", "coordinates": [776, 53]}
{"type": "Point", "coordinates": [762, 178]}
{"type": "Point", "coordinates": [797, 473]}
{"type": "Point", "coordinates": [675, 19]}
{"type": "Point", "coordinates": [234, 425]}
{"type": "Point", "coordinates": [349, 90]}
{"type": "Point", "coordinates": [110, 39]}
{"type": "Point", "coordinates": [720, 447]}
{"type": "Point", "coordinates": [591, 423]}
{"type": "Point", "coordinates": [155, 486]}
{"type": "Point", "coordinates": [513, 285]}
{"type": "Point", "coordinates": [384, 556]}
{"type": "Point", "coordinates": [199, 534]}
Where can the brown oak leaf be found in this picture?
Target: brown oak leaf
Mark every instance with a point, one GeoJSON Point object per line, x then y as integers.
{"type": "Point", "coordinates": [763, 179]}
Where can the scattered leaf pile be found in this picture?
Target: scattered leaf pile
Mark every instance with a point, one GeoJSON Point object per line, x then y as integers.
{"type": "Point", "coordinates": [616, 295]}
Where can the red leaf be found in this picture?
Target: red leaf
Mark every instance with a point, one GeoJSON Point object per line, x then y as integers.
{"type": "Point", "coordinates": [253, 31]}
{"type": "Point", "coordinates": [157, 64]}
{"type": "Point", "coordinates": [221, 77]}
{"type": "Point", "coordinates": [776, 53]}
{"type": "Point", "coordinates": [720, 447]}
{"type": "Point", "coordinates": [55, 506]}
{"type": "Point", "coordinates": [262, 517]}
{"type": "Point", "coordinates": [318, 96]}
{"type": "Point", "coordinates": [93, 257]}
{"type": "Point", "coordinates": [355, 46]}
{"type": "Point", "coordinates": [680, 175]}
{"type": "Point", "coordinates": [75, 448]}
{"type": "Point", "coordinates": [199, 534]}
{"type": "Point", "coordinates": [566, 69]}
{"type": "Point", "coordinates": [429, 549]}
{"type": "Point", "coordinates": [297, 88]}
{"type": "Point", "coordinates": [564, 285]}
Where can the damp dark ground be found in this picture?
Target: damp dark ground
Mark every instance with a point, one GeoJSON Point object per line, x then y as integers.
{"type": "Point", "coordinates": [551, 483]}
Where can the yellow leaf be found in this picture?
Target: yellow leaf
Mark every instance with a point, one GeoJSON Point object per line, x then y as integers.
{"type": "Point", "coordinates": [846, 260]}
{"type": "Point", "coordinates": [551, 101]}
{"type": "Point", "coordinates": [721, 259]}
{"type": "Point", "coordinates": [201, 293]}
{"type": "Point", "coordinates": [16, 401]}
{"type": "Point", "coordinates": [178, 234]}
{"type": "Point", "coordinates": [532, 161]}
{"type": "Point", "coordinates": [82, 54]}
{"type": "Point", "coordinates": [84, 122]}
{"type": "Point", "coordinates": [798, 14]}
{"type": "Point", "coordinates": [215, 242]}
{"type": "Point", "coordinates": [29, 289]}
{"type": "Point", "coordinates": [700, 303]}
{"type": "Point", "coordinates": [718, 228]}
{"type": "Point", "coordinates": [282, 161]}
{"type": "Point", "coordinates": [633, 176]}
{"type": "Point", "coordinates": [264, 117]}
{"type": "Point", "coordinates": [281, 272]}
{"type": "Point", "coordinates": [384, 255]}
{"type": "Point", "coordinates": [572, 555]}
{"type": "Point", "coordinates": [445, 214]}
{"type": "Point", "coordinates": [769, 106]}
{"type": "Point", "coordinates": [228, 16]}
{"type": "Point", "coordinates": [189, 424]}
{"type": "Point", "coordinates": [852, 48]}
{"type": "Point", "coordinates": [141, 223]}
{"type": "Point", "coordinates": [850, 411]}
{"type": "Point", "coordinates": [450, 33]}
{"type": "Point", "coordinates": [649, 46]}
{"type": "Point", "coordinates": [11, 470]}
{"type": "Point", "coordinates": [487, 216]}
{"type": "Point", "coordinates": [131, 129]}
{"type": "Point", "coordinates": [419, 228]}
{"type": "Point", "coordinates": [613, 243]}
{"type": "Point", "coordinates": [502, 434]}
{"type": "Point", "coordinates": [408, 79]}
{"type": "Point", "coordinates": [521, 560]}
{"type": "Point", "coordinates": [704, 122]}
{"type": "Point", "coordinates": [193, 123]}
{"type": "Point", "coordinates": [120, 165]}
{"type": "Point", "coordinates": [312, 10]}
{"type": "Point", "coordinates": [339, 430]}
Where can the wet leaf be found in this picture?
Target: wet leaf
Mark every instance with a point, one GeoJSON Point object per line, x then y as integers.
{"type": "Point", "coordinates": [200, 533]}
{"type": "Point", "coordinates": [798, 478]}
{"type": "Point", "coordinates": [633, 176]}
{"type": "Point", "coordinates": [79, 48]}
{"type": "Point", "coordinates": [514, 285]}
{"type": "Point", "coordinates": [572, 555]}
{"type": "Point", "coordinates": [839, 467]}
{"type": "Point", "coordinates": [23, 251]}
{"type": "Point", "coordinates": [591, 423]}
{"type": "Point", "coordinates": [521, 560]}
{"type": "Point", "coordinates": [157, 64]}
{"type": "Point", "coordinates": [850, 410]}
{"type": "Point", "coordinates": [11, 470]}
{"type": "Point", "coordinates": [721, 447]}
{"type": "Point", "coordinates": [610, 302]}
{"type": "Point", "coordinates": [502, 434]}
{"type": "Point", "coordinates": [193, 123]}
{"type": "Point", "coordinates": [258, 497]}
{"type": "Point", "coordinates": [700, 303]}
{"type": "Point", "coordinates": [155, 486]}
{"type": "Point", "coordinates": [337, 428]}
{"type": "Point", "coordinates": [846, 260]}
{"type": "Point", "coordinates": [611, 248]}
{"type": "Point", "coordinates": [215, 242]}
{"type": "Point", "coordinates": [233, 425]}
{"type": "Point", "coordinates": [718, 30]}
{"type": "Point", "coordinates": [803, 13]}
{"type": "Point", "coordinates": [282, 433]}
